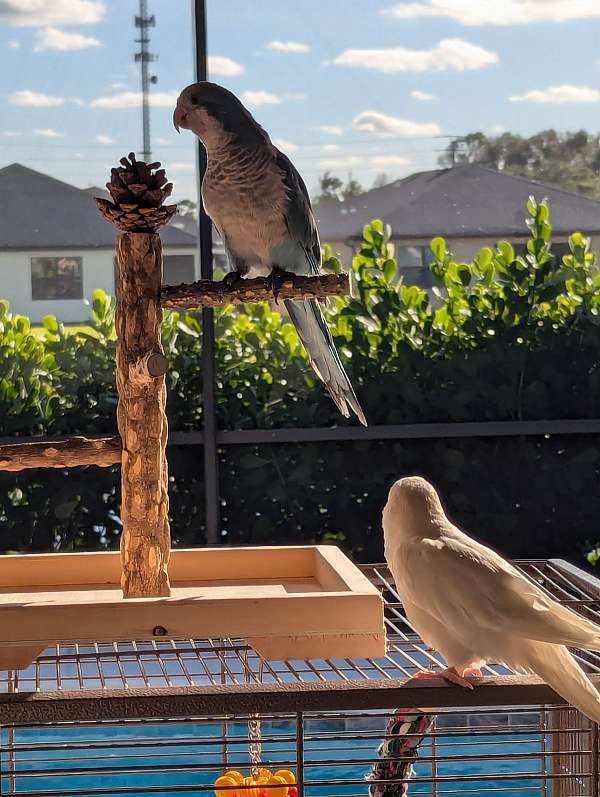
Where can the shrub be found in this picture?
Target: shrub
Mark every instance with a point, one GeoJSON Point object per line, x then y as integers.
{"type": "Point", "coordinates": [501, 338]}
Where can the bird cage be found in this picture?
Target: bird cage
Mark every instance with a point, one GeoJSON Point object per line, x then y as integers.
{"type": "Point", "coordinates": [170, 717]}
{"type": "Point", "coordinates": [160, 672]}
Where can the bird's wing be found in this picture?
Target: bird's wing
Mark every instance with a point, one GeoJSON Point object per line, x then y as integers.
{"type": "Point", "coordinates": [464, 584]}
{"type": "Point", "coordinates": [299, 218]}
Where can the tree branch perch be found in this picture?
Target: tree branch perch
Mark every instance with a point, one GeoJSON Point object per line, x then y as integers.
{"type": "Point", "coordinates": [209, 293]}
{"type": "Point", "coordinates": [66, 453]}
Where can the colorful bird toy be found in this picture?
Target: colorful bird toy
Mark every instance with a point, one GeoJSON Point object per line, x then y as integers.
{"type": "Point", "coordinates": [264, 784]}
{"type": "Point", "coordinates": [393, 771]}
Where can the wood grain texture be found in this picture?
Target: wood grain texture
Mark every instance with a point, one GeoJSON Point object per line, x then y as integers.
{"type": "Point", "coordinates": [145, 541]}
{"type": "Point", "coordinates": [208, 293]}
{"type": "Point", "coordinates": [66, 453]}
{"type": "Point", "coordinates": [170, 702]}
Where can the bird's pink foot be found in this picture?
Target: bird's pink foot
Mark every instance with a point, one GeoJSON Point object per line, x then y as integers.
{"type": "Point", "coordinates": [450, 674]}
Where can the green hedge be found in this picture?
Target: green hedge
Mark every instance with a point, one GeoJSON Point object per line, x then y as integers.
{"type": "Point", "coordinates": [501, 338]}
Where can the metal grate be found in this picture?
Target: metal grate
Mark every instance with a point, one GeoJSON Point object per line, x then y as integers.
{"type": "Point", "coordinates": [230, 662]}
{"type": "Point", "coordinates": [515, 752]}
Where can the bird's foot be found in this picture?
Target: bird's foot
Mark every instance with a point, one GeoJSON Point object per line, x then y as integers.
{"type": "Point", "coordinates": [229, 281]}
{"type": "Point", "coordinates": [450, 674]}
{"type": "Point", "coordinates": [275, 281]}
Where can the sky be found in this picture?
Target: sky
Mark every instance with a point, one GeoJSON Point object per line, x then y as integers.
{"type": "Point", "coordinates": [355, 87]}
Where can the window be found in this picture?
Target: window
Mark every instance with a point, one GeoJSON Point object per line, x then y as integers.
{"type": "Point", "coordinates": [414, 256]}
{"type": "Point", "coordinates": [178, 269]}
{"type": "Point", "coordinates": [56, 278]}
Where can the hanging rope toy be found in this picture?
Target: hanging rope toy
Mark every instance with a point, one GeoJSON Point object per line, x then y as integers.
{"type": "Point", "coordinates": [404, 732]}
{"type": "Point", "coordinates": [261, 782]}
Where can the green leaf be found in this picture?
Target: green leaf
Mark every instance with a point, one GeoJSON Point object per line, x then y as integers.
{"type": "Point", "coordinates": [438, 248]}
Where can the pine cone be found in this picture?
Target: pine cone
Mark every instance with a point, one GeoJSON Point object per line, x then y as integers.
{"type": "Point", "coordinates": [138, 190]}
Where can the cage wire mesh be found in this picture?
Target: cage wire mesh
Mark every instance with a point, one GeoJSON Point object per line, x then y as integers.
{"type": "Point", "coordinates": [510, 750]}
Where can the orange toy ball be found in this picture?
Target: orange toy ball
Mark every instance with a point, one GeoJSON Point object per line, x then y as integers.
{"type": "Point", "coordinates": [235, 775]}
{"type": "Point", "coordinates": [288, 776]}
{"type": "Point", "coordinates": [277, 787]}
{"type": "Point", "coordinates": [225, 780]}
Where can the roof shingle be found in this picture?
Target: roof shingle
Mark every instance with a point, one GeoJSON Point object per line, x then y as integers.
{"type": "Point", "coordinates": [464, 201]}
{"type": "Point", "coordinates": [39, 211]}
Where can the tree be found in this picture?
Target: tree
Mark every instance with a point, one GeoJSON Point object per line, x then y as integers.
{"type": "Point", "coordinates": [331, 187]}
{"type": "Point", "coordinates": [352, 188]}
{"type": "Point", "coordinates": [187, 207]}
{"type": "Point", "coordinates": [380, 180]}
{"type": "Point", "coordinates": [570, 160]}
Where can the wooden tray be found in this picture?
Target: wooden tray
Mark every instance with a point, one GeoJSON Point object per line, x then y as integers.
{"type": "Point", "coordinates": [288, 603]}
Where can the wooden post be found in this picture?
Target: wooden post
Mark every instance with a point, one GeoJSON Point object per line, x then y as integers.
{"type": "Point", "coordinates": [138, 191]}
{"type": "Point", "coordinates": [141, 418]}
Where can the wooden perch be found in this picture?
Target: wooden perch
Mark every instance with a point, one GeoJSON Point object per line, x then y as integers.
{"type": "Point", "coordinates": [207, 293]}
{"type": "Point", "coordinates": [141, 365]}
{"type": "Point", "coordinates": [69, 452]}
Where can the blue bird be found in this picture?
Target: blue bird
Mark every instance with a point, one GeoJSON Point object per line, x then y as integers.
{"type": "Point", "coordinates": [259, 204]}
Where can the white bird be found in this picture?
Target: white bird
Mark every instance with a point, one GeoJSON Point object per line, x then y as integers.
{"type": "Point", "coordinates": [472, 606]}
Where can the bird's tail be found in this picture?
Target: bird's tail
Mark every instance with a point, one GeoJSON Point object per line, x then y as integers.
{"type": "Point", "coordinates": [316, 339]}
{"type": "Point", "coordinates": [557, 667]}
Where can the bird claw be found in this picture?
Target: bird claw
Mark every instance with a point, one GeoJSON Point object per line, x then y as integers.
{"type": "Point", "coordinates": [275, 281]}
{"type": "Point", "coordinates": [227, 283]}
{"type": "Point", "coordinates": [450, 674]}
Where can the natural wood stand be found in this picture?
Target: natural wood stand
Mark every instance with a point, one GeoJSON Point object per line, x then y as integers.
{"type": "Point", "coordinates": [75, 607]}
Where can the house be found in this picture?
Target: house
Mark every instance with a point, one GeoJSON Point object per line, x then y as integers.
{"type": "Point", "coordinates": [56, 249]}
{"type": "Point", "coordinates": [470, 206]}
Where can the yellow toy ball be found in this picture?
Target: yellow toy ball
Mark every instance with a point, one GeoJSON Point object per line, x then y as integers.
{"type": "Point", "coordinates": [288, 776]}
{"type": "Point", "coordinates": [224, 780]}
{"type": "Point", "coordinates": [280, 787]}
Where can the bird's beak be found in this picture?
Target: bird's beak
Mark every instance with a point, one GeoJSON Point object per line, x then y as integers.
{"type": "Point", "coordinates": [180, 118]}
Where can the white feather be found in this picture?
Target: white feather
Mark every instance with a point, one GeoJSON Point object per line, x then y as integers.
{"type": "Point", "coordinates": [473, 606]}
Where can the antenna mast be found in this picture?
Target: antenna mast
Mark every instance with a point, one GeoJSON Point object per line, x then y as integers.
{"type": "Point", "coordinates": [144, 56]}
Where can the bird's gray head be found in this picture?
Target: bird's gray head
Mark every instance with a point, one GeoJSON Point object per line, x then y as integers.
{"type": "Point", "coordinates": [412, 502]}
{"type": "Point", "coordinates": [216, 116]}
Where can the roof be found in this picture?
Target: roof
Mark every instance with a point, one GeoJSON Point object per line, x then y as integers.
{"type": "Point", "coordinates": [39, 211]}
{"type": "Point", "coordinates": [462, 201]}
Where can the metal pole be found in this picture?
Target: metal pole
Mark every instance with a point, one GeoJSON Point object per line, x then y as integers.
{"type": "Point", "coordinates": [211, 460]}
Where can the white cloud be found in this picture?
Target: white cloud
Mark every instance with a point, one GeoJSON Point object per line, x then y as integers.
{"type": "Point", "coordinates": [285, 145]}
{"type": "Point", "coordinates": [293, 96]}
{"type": "Point", "coordinates": [288, 47]}
{"type": "Point", "coordinates": [449, 54]}
{"type": "Point", "coordinates": [559, 95]}
{"type": "Point", "coordinates": [492, 12]}
{"type": "Point", "coordinates": [381, 124]}
{"type": "Point", "coordinates": [330, 147]}
{"type": "Point", "coordinates": [13, 44]}
{"type": "Point", "coordinates": [163, 142]}
{"type": "Point", "coordinates": [422, 96]}
{"type": "Point", "coordinates": [39, 13]}
{"type": "Point", "coordinates": [60, 41]}
{"type": "Point", "coordinates": [223, 66]}
{"type": "Point", "coordinates": [256, 98]}
{"type": "Point", "coordinates": [76, 101]}
{"type": "Point", "coordinates": [133, 99]}
{"type": "Point", "coordinates": [48, 132]}
{"type": "Point", "coordinates": [10, 133]}
{"type": "Point", "coordinates": [102, 139]}
{"type": "Point", "coordinates": [35, 99]}
{"type": "Point", "coordinates": [387, 161]}
{"type": "Point", "coordinates": [331, 130]}
{"type": "Point", "coordinates": [340, 163]}
{"type": "Point", "coordinates": [182, 167]}
{"type": "Point", "coordinates": [497, 130]}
